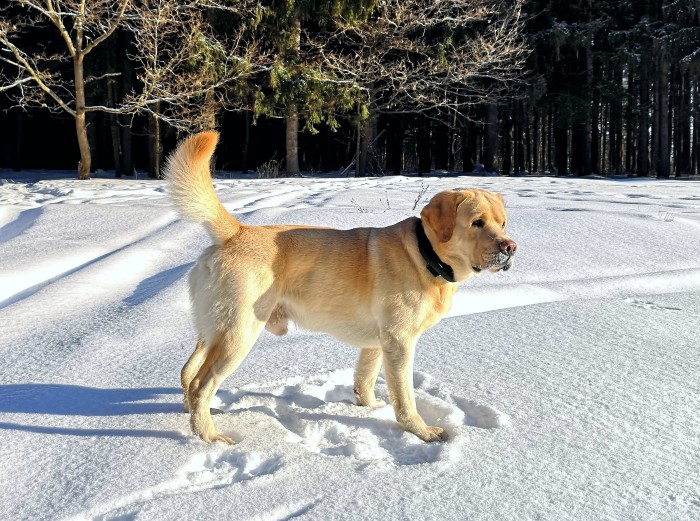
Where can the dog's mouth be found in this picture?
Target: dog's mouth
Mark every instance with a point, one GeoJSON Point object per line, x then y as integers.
{"type": "Point", "coordinates": [498, 262]}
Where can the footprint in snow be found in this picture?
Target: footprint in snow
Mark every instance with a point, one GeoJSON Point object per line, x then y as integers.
{"type": "Point", "coordinates": [648, 305]}
{"type": "Point", "coordinates": [319, 414]}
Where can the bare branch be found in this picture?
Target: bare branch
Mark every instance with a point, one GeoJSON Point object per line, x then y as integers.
{"type": "Point", "coordinates": [25, 65]}
{"type": "Point", "coordinates": [420, 55]}
{"type": "Point", "coordinates": [91, 79]}
{"type": "Point", "coordinates": [117, 19]}
{"type": "Point", "coordinates": [56, 18]}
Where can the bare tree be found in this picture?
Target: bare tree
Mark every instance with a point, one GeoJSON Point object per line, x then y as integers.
{"type": "Point", "coordinates": [179, 59]}
{"type": "Point", "coordinates": [187, 69]}
{"type": "Point", "coordinates": [423, 56]}
{"type": "Point", "coordinates": [82, 26]}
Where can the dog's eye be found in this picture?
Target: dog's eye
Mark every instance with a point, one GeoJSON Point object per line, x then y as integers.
{"type": "Point", "coordinates": [479, 223]}
{"type": "Point", "coordinates": [503, 226]}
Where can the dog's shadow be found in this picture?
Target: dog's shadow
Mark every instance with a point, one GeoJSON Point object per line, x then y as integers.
{"type": "Point", "coordinates": [75, 400]}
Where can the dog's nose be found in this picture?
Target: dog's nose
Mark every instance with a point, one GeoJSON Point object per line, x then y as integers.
{"type": "Point", "coordinates": [507, 246]}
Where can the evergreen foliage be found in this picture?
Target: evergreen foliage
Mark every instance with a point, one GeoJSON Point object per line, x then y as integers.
{"type": "Point", "coordinates": [607, 87]}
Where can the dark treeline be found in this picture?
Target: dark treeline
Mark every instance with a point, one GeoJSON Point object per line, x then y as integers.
{"type": "Point", "coordinates": [610, 87]}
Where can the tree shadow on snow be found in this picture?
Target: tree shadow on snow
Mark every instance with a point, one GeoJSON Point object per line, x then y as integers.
{"type": "Point", "coordinates": [74, 400]}
{"type": "Point", "coordinates": [149, 287]}
{"type": "Point", "coordinates": [127, 433]}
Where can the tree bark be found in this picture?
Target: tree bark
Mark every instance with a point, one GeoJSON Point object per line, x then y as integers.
{"type": "Point", "coordinates": [80, 121]}
{"type": "Point", "coordinates": [292, 120]}
{"type": "Point", "coordinates": [292, 141]}
{"type": "Point", "coordinates": [367, 134]}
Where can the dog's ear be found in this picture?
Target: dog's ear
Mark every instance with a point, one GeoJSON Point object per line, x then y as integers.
{"type": "Point", "coordinates": [440, 214]}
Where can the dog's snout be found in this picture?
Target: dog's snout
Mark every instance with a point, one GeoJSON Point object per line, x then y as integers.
{"type": "Point", "coordinates": [508, 246]}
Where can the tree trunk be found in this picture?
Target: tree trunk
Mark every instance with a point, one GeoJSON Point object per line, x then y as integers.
{"type": "Point", "coordinates": [616, 123]}
{"type": "Point", "coordinates": [366, 133]}
{"type": "Point", "coordinates": [246, 141]}
{"type": "Point", "coordinates": [684, 126]}
{"type": "Point", "coordinates": [470, 147]}
{"type": "Point", "coordinates": [394, 145]}
{"type": "Point", "coordinates": [528, 141]}
{"type": "Point", "coordinates": [535, 142]}
{"type": "Point", "coordinates": [695, 156]}
{"type": "Point", "coordinates": [595, 132]}
{"type": "Point", "coordinates": [114, 131]}
{"type": "Point", "coordinates": [292, 120]}
{"type": "Point", "coordinates": [492, 160]}
{"type": "Point", "coordinates": [292, 141]}
{"type": "Point", "coordinates": [581, 132]}
{"type": "Point", "coordinates": [663, 158]}
{"type": "Point", "coordinates": [80, 121]}
{"type": "Point", "coordinates": [506, 142]}
{"type": "Point", "coordinates": [644, 107]}
{"type": "Point", "coordinates": [561, 143]}
{"type": "Point", "coordinates": [127, 78]}
{"type": "Point", "coordinates": [19, 132]}
{"type": "Point", "coordinates": [550, 136]}
{"type": "Point", "coordinates": [452, 152]}
{"type": "Point", "coordinates": [155, 149]}
{"type": "Point", "coordinates": [441, 146]}
{"type": "Point", "coordinates": [425, 161]}
{"type": "Point", "coordinates": [519, 138]}
{"type": "Point", "coordinates": [630, 122]}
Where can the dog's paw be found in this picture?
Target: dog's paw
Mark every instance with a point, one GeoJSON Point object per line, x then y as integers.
{"type": "Point", "coordinates": [220, 437]}
{"type": "Point", "coordinates": [366, 398]}
{"type": "Point", "coordinates": [431, 434]}
{"type": "Point", "coordinates": [374, 403]}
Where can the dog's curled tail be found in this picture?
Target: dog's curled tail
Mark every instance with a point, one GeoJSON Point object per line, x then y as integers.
{"type": "Point", "coordinates": [187, 171]}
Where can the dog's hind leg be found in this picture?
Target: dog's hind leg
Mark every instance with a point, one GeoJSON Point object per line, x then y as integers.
{"type": "Point", "coordinates": [190, 369]}
{"type": "Point", "coordinates": [223, 357]}
{"type": "Point", "coordinates": [366, 373]}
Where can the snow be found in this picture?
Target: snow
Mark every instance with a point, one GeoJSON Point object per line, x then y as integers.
{"type": "Point", "coordinates": [569, 385]}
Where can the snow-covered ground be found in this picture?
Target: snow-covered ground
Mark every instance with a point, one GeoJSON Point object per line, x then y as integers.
{"type": "Point", "coordinates": [570, 385]}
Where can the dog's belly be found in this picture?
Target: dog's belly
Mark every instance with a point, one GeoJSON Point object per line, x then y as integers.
{"type": "Point", "coordinates": [354, 330]}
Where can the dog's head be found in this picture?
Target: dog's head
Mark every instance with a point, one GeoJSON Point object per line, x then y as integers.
{"type": "Point", "coordinates": [467, 229]}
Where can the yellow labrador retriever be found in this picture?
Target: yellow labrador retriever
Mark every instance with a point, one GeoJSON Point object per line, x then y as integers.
{"type": "Point", "coordinates": [375, 288]}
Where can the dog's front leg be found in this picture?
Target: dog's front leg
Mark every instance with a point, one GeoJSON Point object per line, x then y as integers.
{"type": "Point", "coordinates": [397, 355]}
{"type": "Point", "coordinates": [366, 373]}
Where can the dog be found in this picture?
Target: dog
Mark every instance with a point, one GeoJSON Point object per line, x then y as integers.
{"type": "Point", "coordinates": [378, 289]}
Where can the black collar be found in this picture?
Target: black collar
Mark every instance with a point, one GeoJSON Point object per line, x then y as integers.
{"type": "Point", "coordinates": [434, 264]}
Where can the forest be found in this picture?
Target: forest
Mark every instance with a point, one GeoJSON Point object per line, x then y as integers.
{"type": "Point", "coordinates": [364, 87]}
